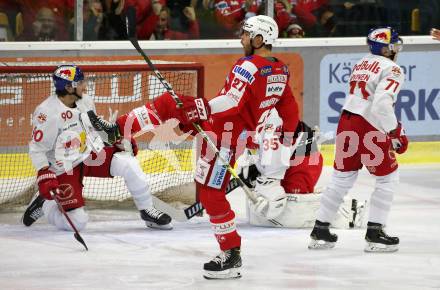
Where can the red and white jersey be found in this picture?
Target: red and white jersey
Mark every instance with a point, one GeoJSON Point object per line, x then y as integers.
{"type": "Point", "coordinates": [253, 86]}
{"type": "Point", "coordinates": [273, 157]}
{"type": "Point", "coordinates": [375, 83]}
{"type": "Point", "coordinates": [62, 137]}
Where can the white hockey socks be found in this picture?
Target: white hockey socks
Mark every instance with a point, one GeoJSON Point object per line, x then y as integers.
{"type": "Point", "coordinates": [382, 197]}
{"type": "Point", "coordinates": [128, 167]}
{"type": "Point", "coordinates": [78, 216]}
{"type": "Point", "coordinates": [333, 195]}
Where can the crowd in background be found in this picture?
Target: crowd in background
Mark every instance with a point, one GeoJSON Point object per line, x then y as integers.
{"type": "Point", "coordinates": [53, 20]}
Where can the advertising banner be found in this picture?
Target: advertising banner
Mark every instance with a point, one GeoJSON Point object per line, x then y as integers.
{"type": "Point", "coordinates": [418, 103]}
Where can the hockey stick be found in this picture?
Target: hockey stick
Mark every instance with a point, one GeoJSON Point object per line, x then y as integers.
{"type": "Point", "coordinates": [182, 215]}
{"type": "Point", "coordinates": [131, 27]}
{"type": "Point", "coordinates": [76, 234]}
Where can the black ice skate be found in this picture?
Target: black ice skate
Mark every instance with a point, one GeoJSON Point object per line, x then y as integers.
{"type": "Point", "coordinates": [378, 240]}
{"type": "Point", "coordinates": [227, 265]}
{"type": "Point", "coordinates": [156, 219]}
{"type": "Point", "coordinates": [321, 238]}
{"type": "Point", "coordinates": [111, 129]}
{"type": "Point", "coordinates": [34, 211]}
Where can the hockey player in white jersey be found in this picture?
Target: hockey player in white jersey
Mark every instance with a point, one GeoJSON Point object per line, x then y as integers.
{"type": "Point", "coordinates": [65, 148]}
{"type": "Point", "coordinates": [368, 134]}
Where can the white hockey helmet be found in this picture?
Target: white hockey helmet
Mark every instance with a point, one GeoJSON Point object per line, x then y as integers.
{"type": "Point", "coordinates": [262, 25]}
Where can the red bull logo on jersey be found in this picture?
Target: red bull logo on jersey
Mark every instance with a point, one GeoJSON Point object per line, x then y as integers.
{"type": "Point", "coordinates": [41, 118]}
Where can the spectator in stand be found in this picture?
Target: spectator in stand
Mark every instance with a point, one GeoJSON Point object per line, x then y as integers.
{"type": "Point", "coordinates": [5, 30]}
{"type": "Point", "coordinates": [147, 15]}
{"type": "Point", "coordinates": [429, 15]}
{"type": "Point", "coordinates": [10, 20]}
{"type": "Point", "coordinates": [315, 16]}
{"type": "Point", "coordinates": [92, 20]}
{"type": "Point", "coordinates": [295, 31]}
{"type": "Point", "coordinates": [61, 13]}
{"type": "Point", "coordinates": [113, 23]}
{"type": "Point", "coordinates": [162, 30]}
{"type": "Point", "coordinates": [435, 33]}
{"type": "Point", "coordinates": [44, 28]}
{"type": "Point", "coordinates": [230, 13]}
{"type": "Point", "coordinates": [93, 17]}
{"type": "Point", "coordinates": [282, 15]}
{"type": "Point", "coordinates": [178, 20]}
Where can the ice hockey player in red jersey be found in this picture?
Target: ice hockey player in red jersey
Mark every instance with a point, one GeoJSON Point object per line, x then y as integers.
{"type": "Point", "coordinates": [368, 134]}
{"type": "Point", "coordinates": [256, 83]}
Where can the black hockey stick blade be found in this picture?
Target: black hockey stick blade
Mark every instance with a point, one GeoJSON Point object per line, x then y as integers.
{"type": "Point", "coordinates": [197, 207]}
{"type": "Point", "coordinates": [80, 239]}
{"type": "Point", "coordinates": [76, 234]}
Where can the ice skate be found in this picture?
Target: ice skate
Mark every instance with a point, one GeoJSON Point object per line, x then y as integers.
{"type": "Point", "coordinates": [227, 265]}
{"type": "Point", "coordinates": [321, 238]}
{"type": "Point", "coordinates": [34, 211]}
{"type": "Point", "coordinates": [156, 219]}
{"type": "Point", "coordinates": [111, 129]}
{"type": "Point", "coordinates": [378, 240]}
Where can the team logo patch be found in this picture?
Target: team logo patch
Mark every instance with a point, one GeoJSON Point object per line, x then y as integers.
{"type": "Point", "coordinates": [275, 89]}
{"type": "Point", "coordinates": [396, 71]}
{"type": "Point", "coordinates": [202, 170]}
{"type": "Point", "coordinates": [244, 73]}
{"type": "Point", "coordinates": [65, 191]}
{"type": "Point", "coordinates": [41, 118]}
{"type": "Point", "coordinates": [219, 170]}
{"type": "Point", "coordinates": [266, 70]}
{"type": "Point", "coordinates": [268, 128]}
{"type": "Point", "coordinates": [203, 114]}
{"type": "Point", "coordinates": [277, 79]}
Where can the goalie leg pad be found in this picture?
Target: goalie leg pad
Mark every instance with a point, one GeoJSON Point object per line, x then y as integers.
{"type": "Point", "coordinates": [301, 209]}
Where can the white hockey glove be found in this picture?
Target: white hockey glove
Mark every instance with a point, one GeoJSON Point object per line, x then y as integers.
{"type": "Point", "coordinates": [272, 198]}
{"type": "Point", "coordinates": [246, 168]}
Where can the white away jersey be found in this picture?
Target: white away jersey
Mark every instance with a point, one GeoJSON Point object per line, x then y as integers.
{"type": "Point", "coordinates": [62, 137]}
{"type": "Point", "coordinates": [375, 83]}
{"type": "Point", "coordinates": [273, 157]}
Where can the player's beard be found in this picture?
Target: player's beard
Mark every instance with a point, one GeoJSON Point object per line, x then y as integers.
{"type": "Point", "coordinates": [248, 50]}
{"type": "Point", "coordinates": [76, 94]}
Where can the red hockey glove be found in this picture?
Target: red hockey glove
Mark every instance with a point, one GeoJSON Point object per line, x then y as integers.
{"type": "Point", "coordinates": [47, 182]}
{"type": "Point", "coordinates": [193, 110]}
{"type": "Point", "coordinates": [127, 145]}
{"type": "Point", "coordinates": [399, 140]}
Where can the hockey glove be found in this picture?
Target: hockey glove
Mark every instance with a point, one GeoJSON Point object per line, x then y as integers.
{"type": "Point", "coordinates": [246, 168]}
{"type": "Point", "coordinates": [47, 182]}
{"type": "Point", "coordinates": [399, 141]}
{"type": "Point", "coordinates": [193, 110]}
{"type": "Point", "coordinates": [126, 145]}
{"type": "Point", "coordinates": [272, 198]}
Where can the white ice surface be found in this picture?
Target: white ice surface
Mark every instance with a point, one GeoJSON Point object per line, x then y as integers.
{"type": "Point", "coordinates": [125, 255]}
